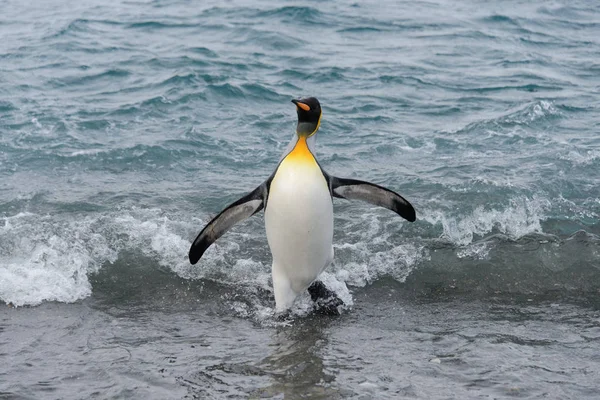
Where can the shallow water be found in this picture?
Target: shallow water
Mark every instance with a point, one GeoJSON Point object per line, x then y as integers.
{"type": "Point", "coordinates": [126, 126]}
{"type": "Point", "coordinates": [180, 342]}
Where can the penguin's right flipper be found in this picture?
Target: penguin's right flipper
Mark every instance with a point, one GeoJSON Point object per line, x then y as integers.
{"type": "Point", "coordinates": [244, 208]}
{"type": "Point", "coordinates": [354, 189]}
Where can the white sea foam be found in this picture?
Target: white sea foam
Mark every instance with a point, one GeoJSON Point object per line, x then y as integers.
{"type": "Point", "coordinates": [583, 157]}
{"type": "Point", "coordinates": [42, 259]}
{"type": "Point", "coordinates": [371, 247]}
{"type": "Point", "coordinates": [397, 261]}
{"type": "Point", "coordinates": [87, 152]}
{"type": "Point", "coordinates": [542, 109]}
{"type": "Point", "coordinates": [532, 112]}
{"type": "Point", "coordinates": [522, 217]}
{"type": "Point", "coordinates": [476, 251]}
{"type": "Point", "coordinates": [46, 258]}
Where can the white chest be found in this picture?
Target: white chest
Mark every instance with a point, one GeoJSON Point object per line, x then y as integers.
{"type": "Point", "coordinates": [299, 218]}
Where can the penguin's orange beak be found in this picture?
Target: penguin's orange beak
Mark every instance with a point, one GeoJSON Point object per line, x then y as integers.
{"type": "Point", "coordinates": [301, 105]}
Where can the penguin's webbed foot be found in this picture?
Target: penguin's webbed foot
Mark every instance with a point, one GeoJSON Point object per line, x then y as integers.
{"type": "Point", "coordinates": [326, 301]}
{"type": "Point", "coordinates": [284, 316]}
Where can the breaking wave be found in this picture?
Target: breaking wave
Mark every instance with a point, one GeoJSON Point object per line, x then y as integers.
{"type": "Point", "coordinates": [51, 258]}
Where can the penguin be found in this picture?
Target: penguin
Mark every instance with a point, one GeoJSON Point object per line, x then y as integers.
{"type": "Point", "coordinates": [298, 203]}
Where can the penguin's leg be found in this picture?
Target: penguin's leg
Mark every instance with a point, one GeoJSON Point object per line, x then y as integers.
{"type": "Point", "coordinates": [282, 288]}
{"type": "Point", "coordinates": [326, 301]}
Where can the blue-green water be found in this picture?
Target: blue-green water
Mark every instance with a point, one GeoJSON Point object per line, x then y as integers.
{"type": "Point", "coordinates": [124, 127]}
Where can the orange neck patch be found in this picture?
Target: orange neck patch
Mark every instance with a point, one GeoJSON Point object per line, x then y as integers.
{"type": "Point", "coordinates": [301, 153]}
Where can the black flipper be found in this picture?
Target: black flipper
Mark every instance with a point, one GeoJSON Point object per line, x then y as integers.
{"type": "Point", "coordinates": [326, 301]}
{"type": "Point", "coordinates": [245, 207]}
{"type": "Point", "coordinates": [371, 193]}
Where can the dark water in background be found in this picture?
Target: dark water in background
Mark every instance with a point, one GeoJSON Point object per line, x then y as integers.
{"type": "Point", "coordinates": [125, 126]}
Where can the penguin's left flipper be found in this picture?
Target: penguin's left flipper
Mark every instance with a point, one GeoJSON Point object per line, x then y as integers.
{"type": "Point", "coordinates": [244, 208]}
{"type": "Point", "coordinates": [354, 189]}
{"type": "Point", "coordinates": [326, 301]}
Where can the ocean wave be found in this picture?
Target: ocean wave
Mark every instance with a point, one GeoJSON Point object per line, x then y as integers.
{"type": "Point", "coordinates": [109, 75]}
{"type": "Point", "coordinates": [266, 39]}
{"type": "Point", "coordinates": [190, 79]}
{"type": "Point", "coordinates": [119, 159]}
{"type": "Point", "coordinates": [362, 263]}
{"type": "Point", "coordinates": [53, 258]}
{"type": "Point", "coordinates": [534, 114]}
{"type": "Point", "coordinates": [245, 91]}
{"type": "Point", "coordinates": [159, 25]}
{"type": "Point", "coordinates": [582, 157]}
{"type": "Point", "coordinates": [522, 217]}
{"type": "Point", "coordinates": [529, 87]}
{"type": "Point", "coordinates": [46, 258]}
{"type": "Point", "coordinates": [6, 106]}
{"type": "Point", "coordinates": [500, 19]}
{"type": "Point", "coordinates": [170, 63]}
{"type": "Point", "coordinates": [294, 14]}
{"type": "Point", "coordinates": [535, 266]}
{"type": "Point", "coordinates": [360, 30]}
{"type": "Point", "coordinates": [73, 27]}
{"type": "Point", "coordinates": [204, 51]}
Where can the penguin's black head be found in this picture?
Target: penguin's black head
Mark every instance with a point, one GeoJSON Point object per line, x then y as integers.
{"type": "Point", "coordinates": [309, 116]}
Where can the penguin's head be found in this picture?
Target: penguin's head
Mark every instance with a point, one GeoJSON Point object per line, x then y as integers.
{"type": "Point", "coordinates": [309, 116]}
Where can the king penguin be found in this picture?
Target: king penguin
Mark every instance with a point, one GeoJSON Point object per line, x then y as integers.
{"type": "Point", "coordinates": [297, 199]}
